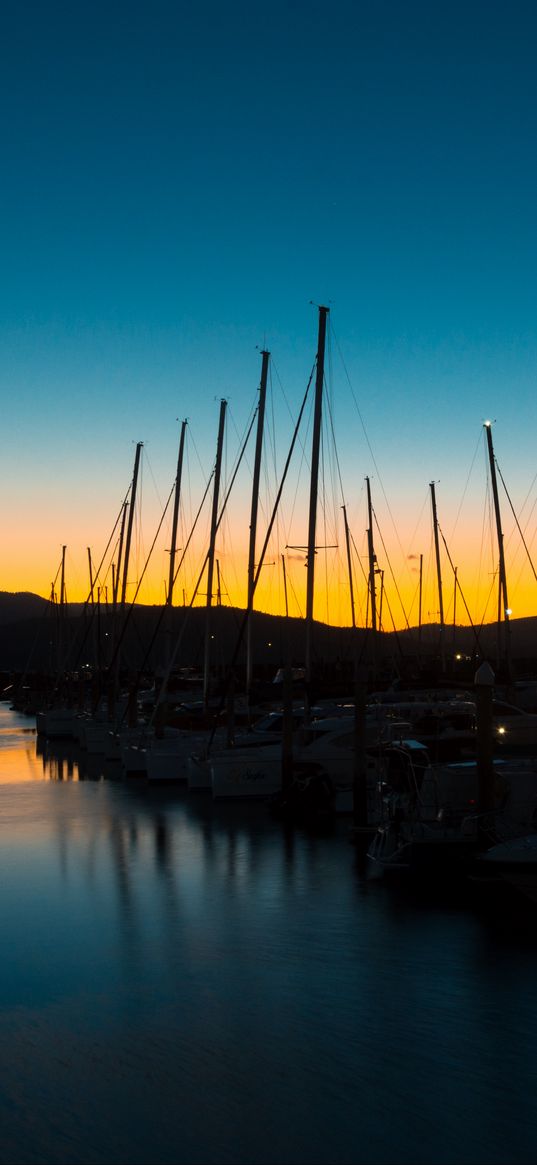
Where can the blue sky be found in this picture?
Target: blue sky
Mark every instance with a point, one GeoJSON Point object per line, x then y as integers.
{"type": "Point", "coordinates": [180, 182]}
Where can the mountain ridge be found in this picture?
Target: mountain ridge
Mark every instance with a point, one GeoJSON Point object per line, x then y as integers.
{"type": "Point", "coordinates": [29, 640]}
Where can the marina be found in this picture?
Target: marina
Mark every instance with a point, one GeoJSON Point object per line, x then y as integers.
{"type": "Point", "coordinates": [185, 980]}
{"type": "Point", "coordinates": [268, 666]}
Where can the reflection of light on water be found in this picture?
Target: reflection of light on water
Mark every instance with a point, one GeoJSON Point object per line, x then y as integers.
{"type": "Point", "coordinates": [11, 737]}
{"type": "Point", "coordinates": [166, 957]}
{"type": "Point", "coordinates": [20, 763]}
{"type": "Point", "coordinates": [26, 757]}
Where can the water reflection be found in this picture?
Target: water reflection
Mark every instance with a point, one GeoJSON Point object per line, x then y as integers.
{"type": "Point", "coordinates": [185, 982]}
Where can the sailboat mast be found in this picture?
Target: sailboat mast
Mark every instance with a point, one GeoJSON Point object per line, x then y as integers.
{"type": "Point", "coordinates": [316, 442]}
{"type": "Point", "coordinates": [130, 522]}
{"type": "Point", "coordinates": [117, 575]}
{"type": "Point", "coordinates": [502, 595]}
{"type": "Point", "coordinates": [61, 611]}
{"type": "Point", "coordinates": [218, 587]}
{"type": "Point", "coordinates": [372, 559]}
{"type": "Point", "coordinates": [62, 579]}
{"type": "Point", "coordinates": [438, 575]}
{"type": "Point", "coordinates": [372, 594]}
{"type": "Point", "coordinates": [173, 548]}
{"type": "Point", "coordinates": [285, 587]}
{"type": "Point", "coordinates": [90, 566]}
{"type": "Point", "coordinates": [349, 563]}
{"type": "Point", "coordinates": [265, 357]}
{"type": "Point", "coordinates": [211, 554]}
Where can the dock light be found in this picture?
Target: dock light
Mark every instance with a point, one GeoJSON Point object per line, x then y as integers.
{"type": "Point", "coordinates": [501, 730]}
{"type": "Point", "coordinates": [508, 611]}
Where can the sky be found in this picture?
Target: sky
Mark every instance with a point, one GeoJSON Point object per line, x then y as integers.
{"type": "Point", "coordinates": [182, 186]}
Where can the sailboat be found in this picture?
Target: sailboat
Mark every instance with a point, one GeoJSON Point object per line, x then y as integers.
{"type": "Point", "coordinates": [169, 761]}
{"type": "Point", "coordinates": [57, 721]}
{"type": "Point", "coordinates": [243, 758]}
{"type": "Point", "coordinates": [94, 730]}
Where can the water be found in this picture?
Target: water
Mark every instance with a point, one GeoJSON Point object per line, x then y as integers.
{"type": "Point", "coordinates": [186, 983]}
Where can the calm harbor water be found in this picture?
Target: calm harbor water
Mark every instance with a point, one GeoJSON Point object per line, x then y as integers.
{"type": "Point", "coordinates": [188, 983]}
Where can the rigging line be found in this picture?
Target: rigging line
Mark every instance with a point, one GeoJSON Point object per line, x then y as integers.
{"type": "Point", "coordinates": [457, 516]}
{"type": "Point", "coordinates": [325, 556]}
{"type": "Point", "coordinates": [280, 488]}
{"type": "Point", "coordinates": [364, 576]}
{"type": "Point", "coordinates": [249, 607]}
{"type": "Point", "coordinates": [394, 524]}
{"type": "Point", "coordinates": [480, 567]}
{"type": "Point", "coordinates": [271, 429]}
{"type": "Point", "coordinates": [530, 516]}
{"type": "Point", "coordinates": [291, 587]}
{"type": "Point", "coordinates": [55, 579]}
{"type": "Point", "coordinates": [489, 500]}
{"type": "Point", "coordinates": [531, 542]}
{"type": "Point", "coordinates": [107, 547]}
{"type": "Point", "coordinates": [301, 442]}
{"type": "Point", "coordinates": [355, 401]}
{"type": "Point", "coordinates": [365, 579]}
{"type": "Point", "coordinates": [459, 588]}
{"type": "Point", "coordinates": [282, 530]}
{"type": "Point", "coordinates": [395, 631]}
{"type": "Point", "coordinates": [87, 602]}
{"type": "Point", "coordinates": [391, 572]}
{"type": "Point", "coordinates": [188, 498]}
{"type": "Point", "coordinates": [487, 604]}
{"type": "Point", "coordinates": [426, 501]}
{"type": "Point", "coordinates": [138, 585]}
{"type": "Point", "coordinates": [335, 477]}
{"type": "Point", "coordinates": [164, 609]}
{"type": "Point", "coordinates": [516, 520]}
{"type": "Point", "coordinates": [296, 493]}
{"type": "Point", "coordinates": [147, 464]}
{"type": "Point", "coordinates": [226, 498]}
{"type": "Point", "coordinates": [529, 492]}
{"type": "Point", "coordinates": [190, 536]}
{"type": "Point", "coordinates": [201, 466]}
{"type": "Point", "coordinates": [242, 453]}
{"type": "Point", "coordinates": [138, 530]}
{"type": "Point", "coordinates": [304, 456]}
{"type": "Point", "coordinates": [235, 472]}
{"type": "Point", "coordinates": [330, 405]}
{"type": "Point", "coordinates": [332, 448]}
{"type": "Point", "coordinates": [224, 592]}
{"type": "Point", "coordinates": [200, 576]}
{"type": "Point", "coordinates": [415, 598]}
{"type": "Point", "coordinates": [488, 529]}
{"type": "Point", "coordinates": [247, 427]}
{"type": "Point", "coordinates": [336, 458]}
{"type": "Point", "coordinates": [277, 375]}
{"type": "Point", "coordinates": [270, 460]}
{"type": "Point", "coordinates": [364, 573]}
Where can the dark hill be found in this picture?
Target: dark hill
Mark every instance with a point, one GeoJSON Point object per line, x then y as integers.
{"type": "Point", "coordinates": [30, 636]}
{"type": "Point", "coordinates": [21, 605]}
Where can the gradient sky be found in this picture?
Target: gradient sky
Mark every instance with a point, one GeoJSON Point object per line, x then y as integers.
{"type": "Point", "coordinates": [180, 185]}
